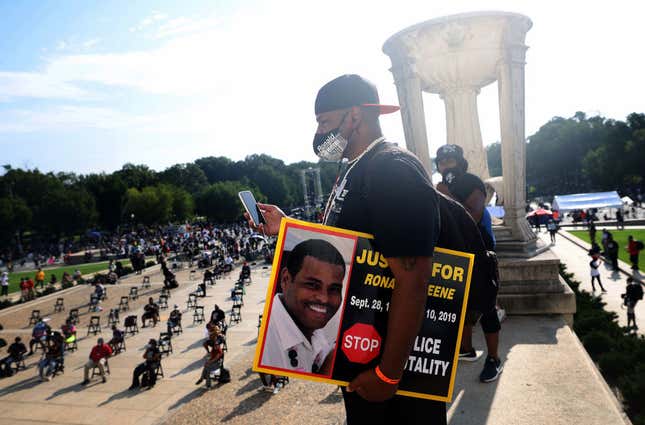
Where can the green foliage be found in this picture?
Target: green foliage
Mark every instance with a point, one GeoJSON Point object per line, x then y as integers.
{"type": "Point", "coordinates": [189, 177]}
{"type": "Point", "coordinates": [219, 202]}
{"type": "Point", "coordinates": [150, 205]}
{"type": "Point", "coordinates": [494, 157]}
{"type": "Point", "coordinates": [580, 154]}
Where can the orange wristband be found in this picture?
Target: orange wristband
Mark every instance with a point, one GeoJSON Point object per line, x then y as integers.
{"type": "Point", "coordinates": [384, 378]}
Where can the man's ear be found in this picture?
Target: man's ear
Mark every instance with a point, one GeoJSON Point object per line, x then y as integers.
{"type": "Point", "coordinates": [285, 278]}
{"type": "Point", "coordinates": [356, 117]}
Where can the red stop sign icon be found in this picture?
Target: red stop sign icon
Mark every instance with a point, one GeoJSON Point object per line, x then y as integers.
{"type": "Point", "coordinates": [361, 343]}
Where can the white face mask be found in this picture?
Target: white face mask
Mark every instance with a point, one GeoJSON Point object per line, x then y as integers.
{"type": "Point", "coordinates": [331, 145]}
{"type": "Point", "coordinates": [330, 148]}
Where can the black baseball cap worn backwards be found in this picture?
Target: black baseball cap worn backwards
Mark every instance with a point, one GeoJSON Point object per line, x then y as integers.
{"type": "Point", "coordinates": [349, 90]}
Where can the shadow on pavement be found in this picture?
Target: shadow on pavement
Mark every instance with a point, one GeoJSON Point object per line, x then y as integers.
{"type": "Point", "coordinates": [20, 386]}
{"type": "Point", "coordinates": [194, 345]}
{"type": "Point", "coordinates": [197, 392]}
{"type": "Point", "coordinates": [249, 386]}
{"type": "Point", "coordinates": [247, 405]}
{"type": "Point", "coordinates": [119, 396]}
{"type": "Point", "coordinates": [74, 388]}
{"type": "Point", "coordinates": [470, 395]}
{"type": "Point", "coordinates": [197, 364]}
{"type": "Point", "coordinates": [333, 397]}
{"type": "Point", "coordinates": [247, 373]}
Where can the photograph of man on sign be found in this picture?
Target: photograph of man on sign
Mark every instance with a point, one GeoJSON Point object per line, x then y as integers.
{"type": "Point", "coordinates": [301, 335]}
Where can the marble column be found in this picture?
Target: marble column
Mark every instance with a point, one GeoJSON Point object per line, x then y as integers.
{"type": "Point", "coordinates": [462, 127]}
{"type": "Point", "coordinates": [511, 114]}
{"type": "Point", "coordinates": [409, 89]}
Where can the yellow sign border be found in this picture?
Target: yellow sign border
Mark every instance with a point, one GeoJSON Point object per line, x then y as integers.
{"type": "Point", "coordinates": [270, 289]}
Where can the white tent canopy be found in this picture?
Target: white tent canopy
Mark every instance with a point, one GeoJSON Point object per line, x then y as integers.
{"type": "Point", "coordinates": [583, 201]}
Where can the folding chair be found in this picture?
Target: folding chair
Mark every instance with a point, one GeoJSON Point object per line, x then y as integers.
{"type": "Point", "coordinates": [238, 296]}
{"type": "Point", "coordinates": [192, 301]}
{"type": "Point", "coordinates": [158, 370]}
{"type": "Point", "coordinates": [163, 302]}
{"type": "Point", "coordinates": [165, 343]}
{"type": "Point", "coordinates": [119, 346]}
{"type": "Point", "coordinates": [131, 326]}
{"type": "Point", "coordinates": [95, 369]}
{"type": "Point", "coordinates": [134, 293]}
{"type": "Point", "coordinates": [104, 295]}
{"type": "Point", "coordinates": [236, 315]}
{"type": "Point", "coordinates": [20, 363]}
{"type": "Point", "coordinates": [35, 317]}
{"type": "Point", "coordinates": [95, 325]}
{"type": "Point", "coordinates": [73, 316]}
{"type": "Point", "coordinates": [72, 346]}
{"type": "Point", "coordinates": [60, 366]}
{"type": "Point", "coordinates": [124, 305]}
{"type": "Point", "coordinates": [176, 328]}
{"type": "Point", "coordinates": [60, 305]}
{"type": "Point", "coordinates": [198, 315]}
{"type": "Point", "coordinates": [113, 318]}
{"type": "Point", "coordinates": [200, 291]}
{"type": "Point", "coordinates": [165, 292]}
{"type": "Point", "coordinates": [94, 303]}
{"type": "Point", "coordinates": [146, 282]}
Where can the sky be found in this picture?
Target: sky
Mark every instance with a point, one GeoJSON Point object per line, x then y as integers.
{"type": "Point", "coordinates": [86, 86]}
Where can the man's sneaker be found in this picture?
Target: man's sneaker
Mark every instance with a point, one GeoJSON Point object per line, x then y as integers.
{"type": "Point", "coordinates": [104, 379]}
{"type": "Point", "coordinates": [492, 369]}
{"type": "Point", "coordinates": [87, 381]}
{"type": "Point", "coordinates": [199, 381]}
{"type": "Point", "coordinates": [469, 356]}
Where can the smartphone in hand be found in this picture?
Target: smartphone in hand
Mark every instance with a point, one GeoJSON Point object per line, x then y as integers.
{"type": "Point", "coordinates": [251, 207]}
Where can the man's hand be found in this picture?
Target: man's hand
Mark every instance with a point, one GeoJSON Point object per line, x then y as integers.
{"type": "Point", "coordinates": [272, 216]}
{"type": "Point", "coordinates": [371, 388]}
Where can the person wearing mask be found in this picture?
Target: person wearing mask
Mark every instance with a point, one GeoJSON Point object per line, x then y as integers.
{"type": "Point", "coordinates": [634, 248]}
{"type": "Point", "coordinates": [382, 190]}
{"type": "Point", "coordinates": [16, 353]}
{"type": "Point", "coordinates": [215, 357]}
{"type": "Point", "coordinates": [470, 192]}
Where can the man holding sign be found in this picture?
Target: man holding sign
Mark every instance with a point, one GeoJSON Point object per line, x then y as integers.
{"type": "Point", "coordinates": [382, 190]}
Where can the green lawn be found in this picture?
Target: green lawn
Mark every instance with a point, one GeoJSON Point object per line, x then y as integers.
{"type": "Point", "coordinates": [14, 278]}
{"type": "Point", "coordinates": [620, 236]}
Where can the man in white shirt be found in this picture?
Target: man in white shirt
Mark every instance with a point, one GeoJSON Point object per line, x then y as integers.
{"type": "Point", "coordinates": [312, 287]}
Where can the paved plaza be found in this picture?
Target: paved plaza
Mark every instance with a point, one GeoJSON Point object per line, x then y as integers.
{"type": "Point", "coordinates": [539, 351]}
{"type": "Point", "coordinates": [27, 400]}
{"type": "Point", "coordinates": [574, 255]}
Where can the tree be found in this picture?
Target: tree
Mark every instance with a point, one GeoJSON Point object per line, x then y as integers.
{"type": "Point", "coordinates": [15, 216]}
{"type": "Point", "coordinates": [219, 202]}
{"type": "Point", "coordinates": [217, 169]}
{"type": "Point", "coordinates": [138, 176]}
{"type": "Point", "coordinates": [150, 205]}
{"type": "Point", "coordinates": [186, 176]}
{"type": "Point", "coordinates": [494, 157]}
{"type": "Point", "coordinates": [183, 205]}
{"type": "Point", "coordinates": [109, 194]}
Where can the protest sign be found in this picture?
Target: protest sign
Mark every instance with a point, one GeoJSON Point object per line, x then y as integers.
{"type": "Point", "coordinates": [325, 317]}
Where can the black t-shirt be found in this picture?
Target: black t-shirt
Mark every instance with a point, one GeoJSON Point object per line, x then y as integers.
{"type": "Point", "coordinates": [462, 185]}
{"type": "Point", "coordinates": [460, 233]}
{"type": "Point", "coordinates": [17, 349]}
{"type": "Point", "coordinates": [388, 194]}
